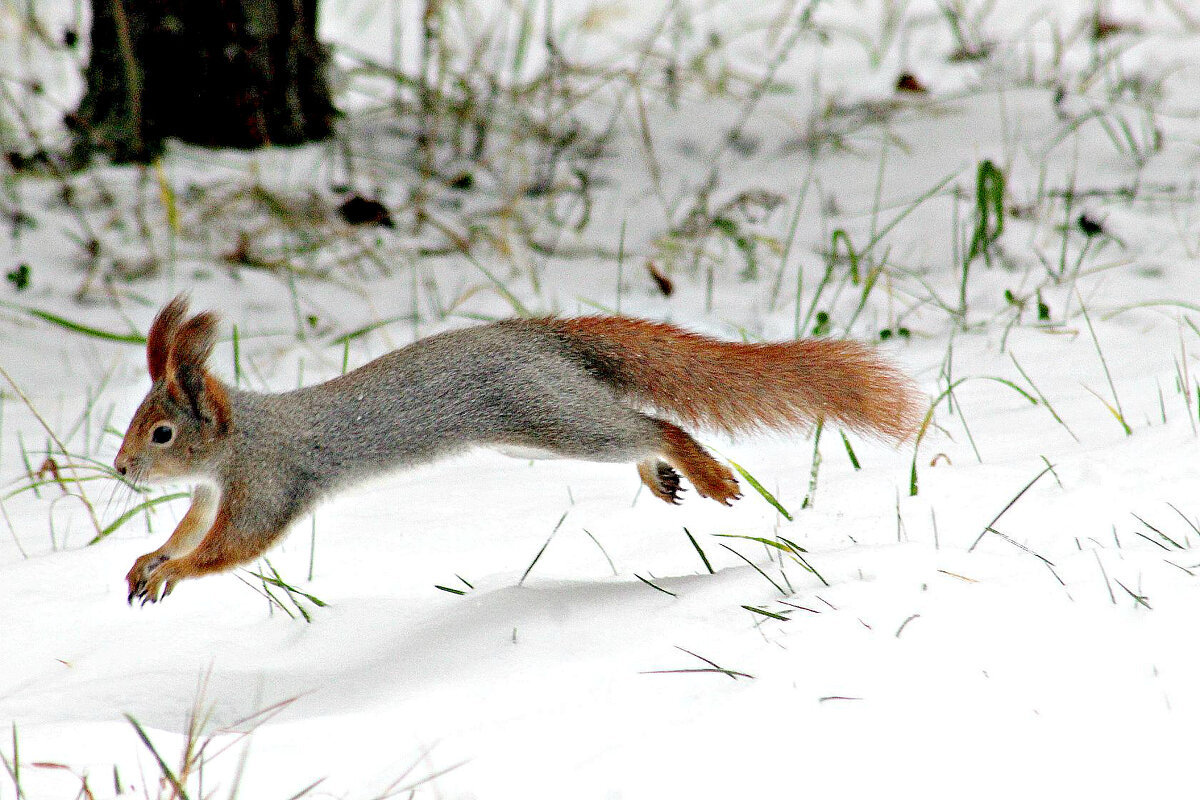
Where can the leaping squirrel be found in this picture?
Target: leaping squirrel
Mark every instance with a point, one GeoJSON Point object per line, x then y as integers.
{"type": "Point", "coordinates": [571, 387]}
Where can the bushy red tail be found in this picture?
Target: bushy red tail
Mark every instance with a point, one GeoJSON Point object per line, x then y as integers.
{"type": "Point", "coordinates": [737, 387]}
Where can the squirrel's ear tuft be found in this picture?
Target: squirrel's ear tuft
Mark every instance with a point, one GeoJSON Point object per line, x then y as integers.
{"type": "Point", "coordinates": [193, 342]}
{"type": "Point", "coordinates": [162, 331]}
{"type": "Point", "coordinates": [188, 381]}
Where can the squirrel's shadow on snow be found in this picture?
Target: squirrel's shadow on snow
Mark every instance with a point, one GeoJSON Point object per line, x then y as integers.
{"type": "Point", "coordinates": [381, 653]}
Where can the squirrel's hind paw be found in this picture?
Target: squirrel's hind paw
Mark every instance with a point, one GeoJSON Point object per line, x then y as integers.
{"type": "Point", "coordinates": [719, 485]}
{"type": "Point", "coordinates": [662, 480]}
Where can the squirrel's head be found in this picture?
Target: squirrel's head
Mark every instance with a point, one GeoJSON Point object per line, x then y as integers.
{"type": "Point", "coordinates": [182, 424]}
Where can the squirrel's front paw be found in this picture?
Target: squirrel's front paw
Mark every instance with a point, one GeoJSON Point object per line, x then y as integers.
{"type": "Point", "coordinates": [147, 576]}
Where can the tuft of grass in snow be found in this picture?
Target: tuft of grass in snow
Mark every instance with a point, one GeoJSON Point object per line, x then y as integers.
{"type": "Point", "coordinates": [203, 744]}
{"type": "Point", "coordinates": [293, 595]}
{"type": "Point", "coordinates": [783, 545]}
{"type": "Point", "coordinates": [947, 396]}
{"type": "Point", "coordinates": [81, 493]}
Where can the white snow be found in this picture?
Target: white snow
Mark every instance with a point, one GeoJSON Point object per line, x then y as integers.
{"type": "Point", "coordinates": [1052, 655]}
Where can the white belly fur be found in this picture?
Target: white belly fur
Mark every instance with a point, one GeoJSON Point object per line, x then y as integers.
{"type": "Point", "coordinates": [518, 451]}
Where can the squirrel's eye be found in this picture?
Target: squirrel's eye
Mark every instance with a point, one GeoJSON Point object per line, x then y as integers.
{"type": "Point", "coordinates": [162, 434]}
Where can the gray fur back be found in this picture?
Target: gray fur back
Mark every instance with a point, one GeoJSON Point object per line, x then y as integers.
{"type": "Point", "coordinates": [509, 383]}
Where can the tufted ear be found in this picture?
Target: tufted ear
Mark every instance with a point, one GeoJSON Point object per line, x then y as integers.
{"type": "Point", "coordinates": [188, 381]}
{"type": "Point", "coordinates": [162, 331]}
{"type": "Point", "coordinates": [192, 342]}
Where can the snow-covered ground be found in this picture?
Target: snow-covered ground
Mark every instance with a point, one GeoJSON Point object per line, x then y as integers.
{"type": "Point", "coordinates": [1023, 624]}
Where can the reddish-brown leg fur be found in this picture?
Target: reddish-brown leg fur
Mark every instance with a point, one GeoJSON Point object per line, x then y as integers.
{"type": "Point", "coordinates": [710, 477]}
{"type": "Point", "coordinates": [188, 534]}
{"type": "Point", "coordinates": [222, 548]}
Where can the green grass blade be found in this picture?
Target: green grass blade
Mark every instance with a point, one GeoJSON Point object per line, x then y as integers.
{"type": "Point", "coordinates": [766, 613]}
{"type": "Point", "coordinates": [1117, 411]}
{"type": "Point", "coordinates": [121, 520]}
{"type": "Point", "coordinates": [77, 327]}
{"type": "Point", "coordinates": [374, 326]}
{"type": "Point", "coordinates": [947, 393]}
{"type": "Point", "coordinates": [758, 487]}
{"type": "Point", "coordinates": [501, 289]}
{"type": "Point", "coordinates": [60, 481]}
{"type": "Point", "coordinates": [536, 558]}
{"type": "Point", "coordinates": [1041, 397]}
{"type": "Point", "coordinates": [804, 563]}
{"type": "Point", "coordinates": [989, 209]}
{"type": "Point", "coordinates": [757, 569]}
{"type": "Point", "coordinates": [654, 585]}
{"type": "Point", "coordinates": [703, 557]}
{"type": "Point", "coordinates": [237, 357]}
{"type": "Point", "coordinates": [851, 254]}
{"type": "Point", "coordinates": [911, 207]}
{"type": "Point", "coordinates": [815, 470]}
{"type": "Point", "coordinates": [759, 539]}
{"type": "Point", "coordinates": [276, 580]}
{"type": "Point", "coordinates": [795, 548]}
{"type": "Point", "coordinates": [850, 452]}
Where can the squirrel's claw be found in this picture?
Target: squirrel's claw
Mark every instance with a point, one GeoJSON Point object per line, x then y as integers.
{"type": "Point", "coordinates": [670, 483]}
{"type": "Point", "coordinates": [145, 578]}
{"type": "Point", "coordinates": [157, 587]}
{"type": "Point", "coordinates": [142, 593]}
{"type": "Point", "coordinates": [662, 480]}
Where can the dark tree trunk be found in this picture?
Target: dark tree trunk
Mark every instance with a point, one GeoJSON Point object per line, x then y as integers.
{"type": "Point", "coordinates": [221, 73]}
